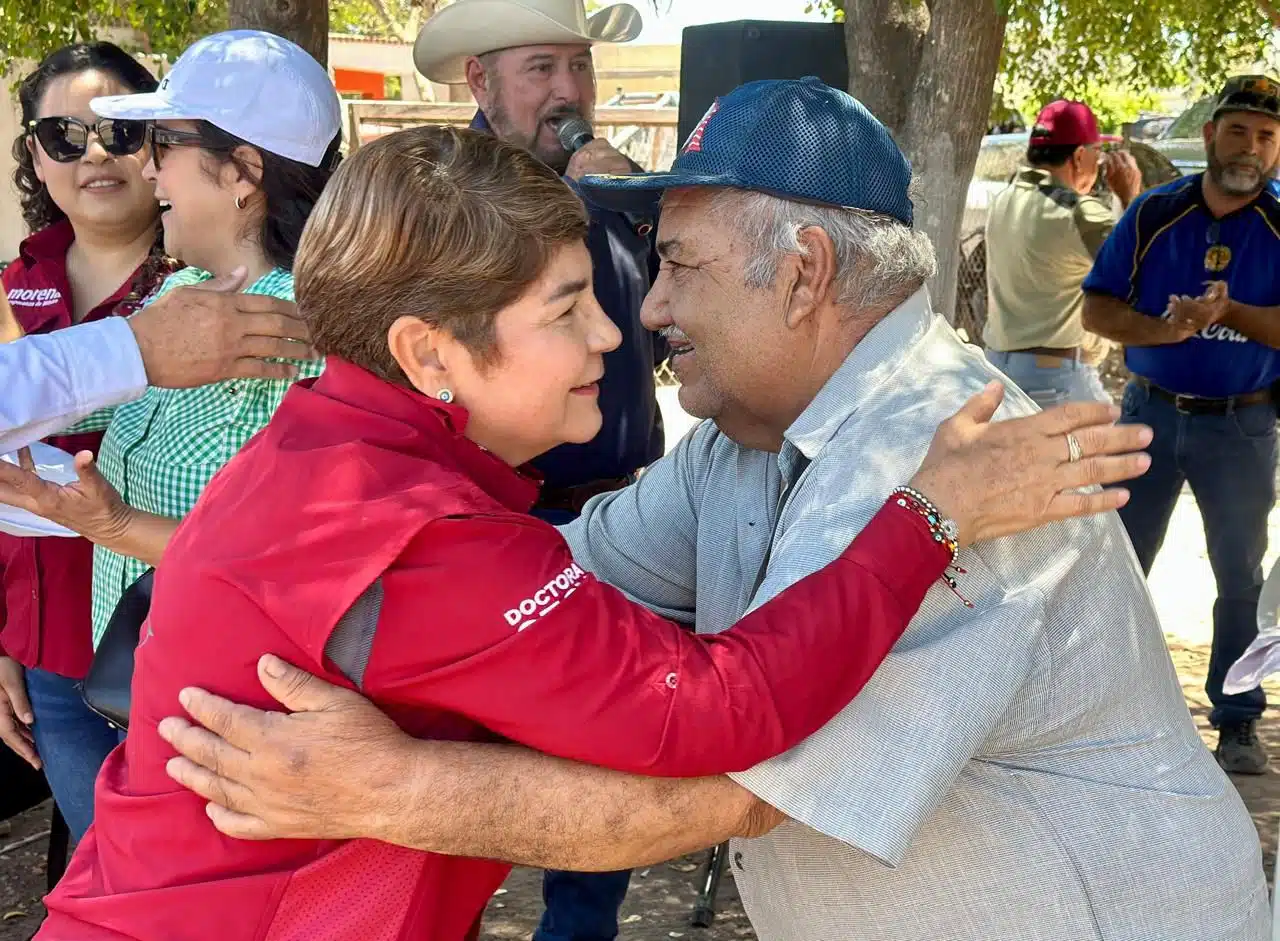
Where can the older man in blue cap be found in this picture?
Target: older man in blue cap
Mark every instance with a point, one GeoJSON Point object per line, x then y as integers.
{"type": "Point", "coordinates": [1022, 765]}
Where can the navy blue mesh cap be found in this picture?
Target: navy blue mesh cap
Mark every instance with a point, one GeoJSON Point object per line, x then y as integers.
{"type": "Point", "coordinates": [798, 139]}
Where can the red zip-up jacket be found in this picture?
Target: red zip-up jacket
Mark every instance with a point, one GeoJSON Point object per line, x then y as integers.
{"type": "Point", "coordinates": [361, 496]}
{"type": "Point", "coordinates": [45, 583]}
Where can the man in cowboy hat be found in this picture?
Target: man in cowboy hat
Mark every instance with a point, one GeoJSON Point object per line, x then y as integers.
{"type": "Point", "coordinates": [528, 64]}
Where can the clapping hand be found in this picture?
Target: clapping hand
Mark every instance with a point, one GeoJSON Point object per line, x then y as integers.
{"type": "Point", "coordinates": [1189, 315]}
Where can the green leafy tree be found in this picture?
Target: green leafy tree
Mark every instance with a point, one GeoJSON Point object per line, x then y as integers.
{"type": "Point", "coordinates": [1113, 103]}
{"type": "Point", "coordinates": [388, 19]}
{"type": "Point", "coordinates": [31, 29]}
{"type": "Point", "coordinates": [1072, 47]}
{"type": "Point", "coordinates": [1077, 47]}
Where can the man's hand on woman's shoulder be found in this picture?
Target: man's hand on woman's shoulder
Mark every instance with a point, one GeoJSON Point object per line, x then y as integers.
{"type": "Point", "coordinates": [203, 333]}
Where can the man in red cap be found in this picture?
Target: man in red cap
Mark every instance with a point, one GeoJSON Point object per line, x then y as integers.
{"type": "Point", "coordinates": [1043, 232]}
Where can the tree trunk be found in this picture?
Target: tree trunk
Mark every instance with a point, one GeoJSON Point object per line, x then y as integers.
{"type": "Point", "coordinates": [926, 68]}
{"type": "Point", "coordinates": [305, 22]}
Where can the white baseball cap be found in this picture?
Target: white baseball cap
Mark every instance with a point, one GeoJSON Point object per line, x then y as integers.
{"type": "Point", "coordinates": [256, 86]}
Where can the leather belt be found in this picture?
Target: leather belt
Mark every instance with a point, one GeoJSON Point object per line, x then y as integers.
{"type": "Point", "coordinates": [1203, 405]}
{"type": "Point", "coordinates": [1061, 352]}
{"type": "Point", "coordinates": [573, 499]}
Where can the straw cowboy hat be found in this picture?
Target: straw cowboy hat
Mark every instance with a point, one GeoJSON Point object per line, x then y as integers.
{"type": "Point", "coordinates": [473, 27]}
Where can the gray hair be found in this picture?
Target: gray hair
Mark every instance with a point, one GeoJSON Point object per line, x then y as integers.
{"type": "Point", "coordinates": [880, 261]}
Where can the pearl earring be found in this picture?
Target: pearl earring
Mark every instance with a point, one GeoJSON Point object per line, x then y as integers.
{"type": "Point", "coordinates": [445, 396]}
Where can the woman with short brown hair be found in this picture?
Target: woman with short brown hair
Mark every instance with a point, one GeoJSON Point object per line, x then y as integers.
{"type": "Point", "coordinates": [377, 532]}
{"type": "Point", "coordinates": [490, 229]}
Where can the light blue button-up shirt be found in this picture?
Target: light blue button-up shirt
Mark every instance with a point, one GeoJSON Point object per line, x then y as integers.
{"type": "Point", "coordinates": [1023, 770]}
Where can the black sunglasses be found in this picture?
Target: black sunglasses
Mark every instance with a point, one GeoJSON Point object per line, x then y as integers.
{"type": "Point", "coordinates": [67, 139]}
{"type": "Point", "coordinates": [163, 138]}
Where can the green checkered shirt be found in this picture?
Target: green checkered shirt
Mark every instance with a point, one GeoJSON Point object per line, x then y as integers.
{"type": "Point", "coordinates": [161, 450]}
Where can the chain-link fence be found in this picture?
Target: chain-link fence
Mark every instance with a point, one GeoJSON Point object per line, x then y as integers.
{"type": "Point", "coordinates": [971, 287]}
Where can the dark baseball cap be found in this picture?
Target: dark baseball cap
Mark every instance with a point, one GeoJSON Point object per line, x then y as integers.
{"type": "Point", "coordinates": [1066, 124]}
{"type": "Point", "coordinates": [797, 138]}
{"type": "Point", "coordinates": [1256, 93]}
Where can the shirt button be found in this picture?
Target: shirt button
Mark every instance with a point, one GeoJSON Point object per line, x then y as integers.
{"type": "Point", "coordinates": [672, 680]}
{"type": "Point", "coordinates": [233, 390]}
{"type": "Point", "coordinates": [737, 861]}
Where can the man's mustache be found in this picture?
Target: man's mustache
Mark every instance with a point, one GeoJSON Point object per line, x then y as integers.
{"type": "Point", "coordinates": [560, 114]}
{"type": "Point", "coordinates": [1245, 163]}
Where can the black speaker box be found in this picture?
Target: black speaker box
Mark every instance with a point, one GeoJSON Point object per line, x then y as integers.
{"type": "Point", "coordinates": [718, 57]}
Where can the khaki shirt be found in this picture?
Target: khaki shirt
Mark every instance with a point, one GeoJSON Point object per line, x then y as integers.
{"type": "Point", "coordinates": [1041, 241]}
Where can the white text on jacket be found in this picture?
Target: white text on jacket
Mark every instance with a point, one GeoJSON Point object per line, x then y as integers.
{"type": "Point", "coordinates": [546, 599]}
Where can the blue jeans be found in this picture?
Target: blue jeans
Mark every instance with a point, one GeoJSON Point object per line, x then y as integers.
{"type": "Point", "coordinates": [1230, 462]}
{"type": "Point", "coordinates": [1049, 385]}
{"type": "Point", "coordinates": [73, 742]}
{"type": "Point", "coordinates": [581, 906]}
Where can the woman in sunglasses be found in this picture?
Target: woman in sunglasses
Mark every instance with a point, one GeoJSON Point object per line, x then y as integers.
{"type": "Point", "coordinates": [243, 135]}
{"type": "Point", "coordinates": [93, 252]}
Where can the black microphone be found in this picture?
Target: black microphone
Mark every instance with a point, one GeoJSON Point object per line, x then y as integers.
{"type": "Point", "coordinates": [574, 134]}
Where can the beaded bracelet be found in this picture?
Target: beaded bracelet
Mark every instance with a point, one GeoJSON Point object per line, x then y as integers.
{"type": "Point", "coordinates": [919, 504]}
{"type": "Point", "coordinates": [911, 499]}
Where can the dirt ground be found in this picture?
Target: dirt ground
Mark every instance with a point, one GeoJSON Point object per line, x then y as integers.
{"type": "Point", "coordinates": [661, 897]}
{"type": "Point", "coordinates": [658, 906]}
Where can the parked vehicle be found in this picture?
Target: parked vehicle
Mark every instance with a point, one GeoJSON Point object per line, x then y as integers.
{"type": "Point", "coordinates": [1182, 141]}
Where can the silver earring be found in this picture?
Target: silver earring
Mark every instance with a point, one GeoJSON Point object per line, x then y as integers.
{"type": "Point", "coordinates": [239, 203]}
{"type": "Point", "coordinates": [445, 396]}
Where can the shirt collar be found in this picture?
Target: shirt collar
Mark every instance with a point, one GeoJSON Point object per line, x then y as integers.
{"type": "Point", "coordinates": [405, 420]}
{"type": "Point", "coordinates": [481, 123]}
{"type": "Point", "coordinates": [876, 357]}
{"type": "Point", "coordinates": [1035, 176]}
{"type": "Point", "coordinates": [1197, 196]}
{"type": "Point", "coordinates": [1042, 178]}
{"type": "Point", "coordinates": [45, 253]}
{"type": "Point", "coordinates": [44, 257]}
{"type": "Point", "coordinates": [50, 244]}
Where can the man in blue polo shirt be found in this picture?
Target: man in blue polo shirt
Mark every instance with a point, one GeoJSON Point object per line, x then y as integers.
{"type": "Point", "coordinates": [528, 64]}
{"type": "Point", "coordinates": [1189, 282]}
